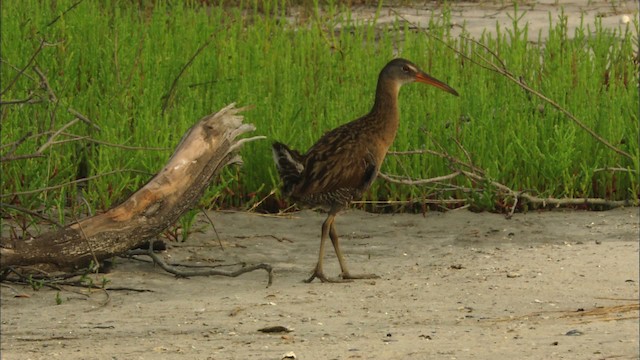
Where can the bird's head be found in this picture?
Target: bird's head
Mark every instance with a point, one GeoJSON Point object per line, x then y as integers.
{"type": "Point", "coordinates": [403, 71]}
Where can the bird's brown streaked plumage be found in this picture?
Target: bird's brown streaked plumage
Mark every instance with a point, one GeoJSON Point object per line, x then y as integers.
{"type": "Point", "coordinates": [343, 163]}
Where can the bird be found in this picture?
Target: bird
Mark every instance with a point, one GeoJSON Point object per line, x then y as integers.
{"type": "Point", "coordinates": [344, 162]}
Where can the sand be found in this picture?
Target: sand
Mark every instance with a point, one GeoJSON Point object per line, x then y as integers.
{"type": "Point", "coordinates": [456, 285]}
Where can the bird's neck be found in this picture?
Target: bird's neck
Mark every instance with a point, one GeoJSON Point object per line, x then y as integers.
{"type": "Point", "coordinates": [385, 116]}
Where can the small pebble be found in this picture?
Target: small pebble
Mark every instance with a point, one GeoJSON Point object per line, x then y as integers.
{"type": "Point", "coordinates": [275, 329]}
{"type": "Point", "coordinates": [289, 355]}
{"type": "Point", "coordinates": [574, 332]}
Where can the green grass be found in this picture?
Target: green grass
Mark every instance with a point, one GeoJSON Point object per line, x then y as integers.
{"type": "Point", "coordinates": [115, 62]}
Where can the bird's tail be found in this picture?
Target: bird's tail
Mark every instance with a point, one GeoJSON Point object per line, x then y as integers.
{"type": "Point", "coordinates": [290, 166]}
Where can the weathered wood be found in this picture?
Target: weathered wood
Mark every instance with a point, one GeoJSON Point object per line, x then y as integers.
{"type": "Point", "coordinates": [204, 150]}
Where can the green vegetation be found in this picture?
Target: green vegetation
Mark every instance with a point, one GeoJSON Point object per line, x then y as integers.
{"type": "Point", "coordinates": [116, 62]}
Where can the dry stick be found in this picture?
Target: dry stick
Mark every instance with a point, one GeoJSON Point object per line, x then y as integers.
{"type": "Point", "coordinates": [83, 118]}
{"type": "Point", "coordinates": [21, 157]}
{"type": "Point", "coordinates": [53, 98]}
{"type": "Point", "coordinates": [457, 166]}
{"type": "Point", "coordinates": [50, 141]}
{"type": "Point", "coordinates": [405, 202]}
{"type": "Point", "coordinates": [409, 181]}
{"type": "Point", "coordinates": [208, 272]}
{"type": "Point", "coordinates": [255, 206]}
{"type": "Point", "coordinates": [548, 201]}
{"type": "Point", "coordinates": [96, 263]}
{"type": "Point", "coordinates": [16, 144]}
{"type": "Point", "coordinates": [212, 226]}
{"type": "Point", "coordinates": [105, 143]}
{"type": "Point", "coordinates": [32, 213]}
{"type": "Point", "coordinates": [502, 70]}
{"type": "Point", "coordinates": [72, 182]}
{"type": "Point", "coordinates": [172, 90]}
{"type": "Point", "coordinates": [64, 13]}
{"type": "Point", "coordinates": [33, 57]}
{"type": "Point", "coordinates": [29, 100]}
{"type": "Point", "coordinates": [17, 69]}
{"type": "Point", "coordinates": [44, 83]}
{"type": "Point", "coordinates": [414, 152]}
{"type": "Point", "coordinates": [614, 170]}
{"type": "Point", "coordinates": [531, 198]}
{"type": "Point", "coordinates": [74, 138]}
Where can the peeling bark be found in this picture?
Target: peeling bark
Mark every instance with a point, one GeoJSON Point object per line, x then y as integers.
{"type": "Point", "coordinates": [204, 150]}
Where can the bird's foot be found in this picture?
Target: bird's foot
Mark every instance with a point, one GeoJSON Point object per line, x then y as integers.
{"type": "Point", "coordinates": [320, 275]}
{"type": "Point", "coordinates": [349, 276]}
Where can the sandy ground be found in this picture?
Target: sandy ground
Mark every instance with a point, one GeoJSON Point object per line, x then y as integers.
{"type": "Point", "coordinates": [481, 16]}
{"type": "Point", "coordinates": [457, 285]}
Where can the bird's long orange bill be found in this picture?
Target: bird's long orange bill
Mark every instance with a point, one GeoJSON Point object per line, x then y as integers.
{"type": "Point", "coordinates": [424, 78]}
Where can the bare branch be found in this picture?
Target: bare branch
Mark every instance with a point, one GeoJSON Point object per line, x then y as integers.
{"type": "Point", "coordinates": [408, 181]}
{"type": "Point", "coordinates": [83, 118]}
{"type": "Point", "coordinates": [28, 192]}
{"type": "Point", "coordinates": [32, 99]}
{"type": "Point", "coordinates": [44, 83]}
{"type": "Point", "coordinates": [202, 272]}
{"type": "Point", "coordinates": [20, 157]}
{"type": "Point", "coordinates": [33, 57]}
{"type": "Point", "coordinates": [32, 213]}
{"type": "Point", "coordinates": [501, 69]}
{"type": "Point", "coordinates": [48, 143]}
{"type": "Point", "coordinates": [415, 152]}
{"type": "Point", "coordinates": [172, 89]}
{"type": "Point", "coordinates": [16, 144]}
{"type": "Point", "coordinates": [63, 13]}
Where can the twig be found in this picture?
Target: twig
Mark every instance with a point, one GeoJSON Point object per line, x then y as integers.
{"type": "Point", "coordinates": [74, 137]}
{"type": "Point", "coordinates": [614, 170]}
{"type": "Point", "coordinates": [414, 152]}
{"type": "Point", "coordinates": [53, 98]}
{"type": "Point", "coordinates": [32, 213]}
{"type": "Point", "coordinates": [124, 288]}
{"type": "Point", "coordinates": [172, 89]}
{"type": "Point", "coordinates": [96, 263]}
{"type": "Point", "coordinates": [213, 226]}
{"type": "Point", "coordinates": [63, 13]}
{"type": "Point", "coordinates": [29, 100]}
{"type": "Point", "coordinates": [502, 70]}
{"type": "Point", "coordinates": [16, 144]}
{"type": "Point", "coordinates": [283, 239]}
{"type": "Point", "coordinates": [83, 118]}
{"type": "Point", "coordinates": [405, 202]}
{"type": "Point", "coordinates": [44, 83]}
{"type": "Point", "coordinates": [477, 175]}
{"type": "Point", "coordinates": [254, 206]}
{"type": "Point", "coordinates": [21, 71]}
{"type": "Point", "coordinates": [72, 182]}
{"type": "Point", "coordinates": [408, 181]}
{"type": "Point", "coordinates": [21, 157]}
{"type": "Point", "coordinates": [549, 201]}
{"type": "Point", "coordinates": [208, 272]}
{"type": "Point", "coordinates": [48, 143]}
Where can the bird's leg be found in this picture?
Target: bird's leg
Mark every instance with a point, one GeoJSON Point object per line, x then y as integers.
{"type": "Point", "coordinates": [317, 272]}
{"type": "Point", "coordinates": [346, 275]}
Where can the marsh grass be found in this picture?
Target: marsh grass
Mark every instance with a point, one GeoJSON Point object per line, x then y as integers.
{"type": "Point", "coordinates": [117, 63]}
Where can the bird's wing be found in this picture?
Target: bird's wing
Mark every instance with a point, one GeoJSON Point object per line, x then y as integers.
{"type": "Point", "coordinates": [337, 162]}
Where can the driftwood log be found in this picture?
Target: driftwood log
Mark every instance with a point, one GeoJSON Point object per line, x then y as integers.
{"type": "Point", "coordinates": [205, 149]}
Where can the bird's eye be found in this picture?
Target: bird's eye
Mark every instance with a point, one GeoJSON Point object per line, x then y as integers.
{"type": "Point", "coordinates": [405, 68]}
